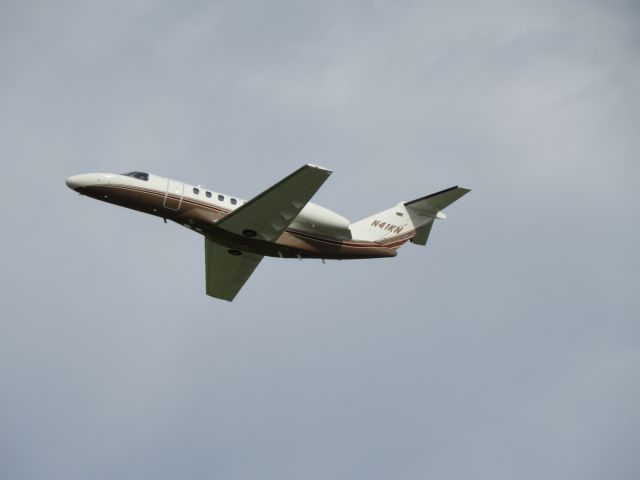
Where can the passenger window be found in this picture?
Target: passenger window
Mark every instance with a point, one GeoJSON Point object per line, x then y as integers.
{"type": "Point", "coordinates": [196, 190]}
{"type": "Point", "coordinates": [208, 194]}
{"type": "Point", "coordinates": [233, 201]}
{"type": "Point", "coordinates": [221, 198]}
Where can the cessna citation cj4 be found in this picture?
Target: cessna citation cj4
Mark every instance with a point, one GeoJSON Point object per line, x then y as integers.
{"type": "Point", "coordinates": [280, 222]}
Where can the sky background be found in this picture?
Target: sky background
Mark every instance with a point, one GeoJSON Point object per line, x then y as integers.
{"type": "Point", "coordinates": [509, 348]}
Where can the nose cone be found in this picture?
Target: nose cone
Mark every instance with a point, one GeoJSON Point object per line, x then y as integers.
{"type": "Point", "coordinates": [83, 180]}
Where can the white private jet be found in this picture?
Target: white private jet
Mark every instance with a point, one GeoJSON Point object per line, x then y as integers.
{"type": "Point", "coordinates": [280, 222]}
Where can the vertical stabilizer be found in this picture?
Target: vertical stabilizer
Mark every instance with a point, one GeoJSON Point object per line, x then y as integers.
{"type": "Point", "coordinates": [383, 226]}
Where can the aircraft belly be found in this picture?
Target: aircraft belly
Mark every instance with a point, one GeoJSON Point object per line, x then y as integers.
{"type": "Point", "coordinates": [292, 246]}
{"type": "Point", "coordinates": [317, 247]}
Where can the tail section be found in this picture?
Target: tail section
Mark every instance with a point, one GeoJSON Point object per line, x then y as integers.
{"type": "Point", "coordinates": [436, 202]}
{"type": "Point", "coordinates": [406, 221]}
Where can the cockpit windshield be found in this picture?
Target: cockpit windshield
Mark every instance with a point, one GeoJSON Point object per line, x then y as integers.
{"type": "Point", "coordinates": [138, 175]}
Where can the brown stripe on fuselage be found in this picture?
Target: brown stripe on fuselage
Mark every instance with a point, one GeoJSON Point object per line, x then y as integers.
{"type": "Point", "coordinates": [202, 217]}
{"type": "Point", "coordinates": [398, 240]}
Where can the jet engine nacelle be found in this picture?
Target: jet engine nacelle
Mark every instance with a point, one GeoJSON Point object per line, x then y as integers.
{"type": "Point", "coordinates": [316, 219]}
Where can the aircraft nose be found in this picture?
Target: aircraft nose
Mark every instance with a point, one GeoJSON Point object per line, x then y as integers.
{"type": "Point", "coordinates": [83, 180]}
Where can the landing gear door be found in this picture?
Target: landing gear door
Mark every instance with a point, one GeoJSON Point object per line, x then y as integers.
{"type": "Point", "coordinates": [173, 195]}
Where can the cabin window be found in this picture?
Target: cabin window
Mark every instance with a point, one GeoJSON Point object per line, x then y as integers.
{"type": "Point", "coordinates": [233, 201]}
{"type": "Point", "coordinates": [139, 175]}
{"type": "Point", "coordinates": [196, 190]}
{"type": "Point", "coordinates": [221, 198]}
{"type": "Point", "coordinates": [208, 194]}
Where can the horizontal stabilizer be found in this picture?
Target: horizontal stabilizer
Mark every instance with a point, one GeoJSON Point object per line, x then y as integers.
{"type": "Point", "coordinates": [433, 204]}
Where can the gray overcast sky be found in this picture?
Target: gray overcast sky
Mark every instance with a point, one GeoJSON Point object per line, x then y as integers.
{"type": "Point", "coordinates": [508, 348]}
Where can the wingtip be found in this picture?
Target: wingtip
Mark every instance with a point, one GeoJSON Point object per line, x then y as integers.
{"type": "Point", "coordinates": [318, 167]}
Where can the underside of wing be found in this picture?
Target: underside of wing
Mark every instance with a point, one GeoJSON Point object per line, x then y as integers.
{"type": "Point", "coordinates": [270, 213]}
{"type": "Point", "coordinates": [227, 270]}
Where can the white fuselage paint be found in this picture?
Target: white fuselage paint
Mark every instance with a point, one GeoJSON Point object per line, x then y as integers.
{"type": "Point", "coordinates": [312, 218]}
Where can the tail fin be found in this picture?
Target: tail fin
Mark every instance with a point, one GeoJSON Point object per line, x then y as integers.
{"type": "Point", "coordinates": [407, 220]}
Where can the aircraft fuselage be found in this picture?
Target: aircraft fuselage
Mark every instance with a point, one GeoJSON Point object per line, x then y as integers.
{"type": "Point", "coordinates": [315, 233]}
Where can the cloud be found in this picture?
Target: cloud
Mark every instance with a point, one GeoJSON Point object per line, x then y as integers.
{"type": "Point", "coordinates": [508, 346]}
